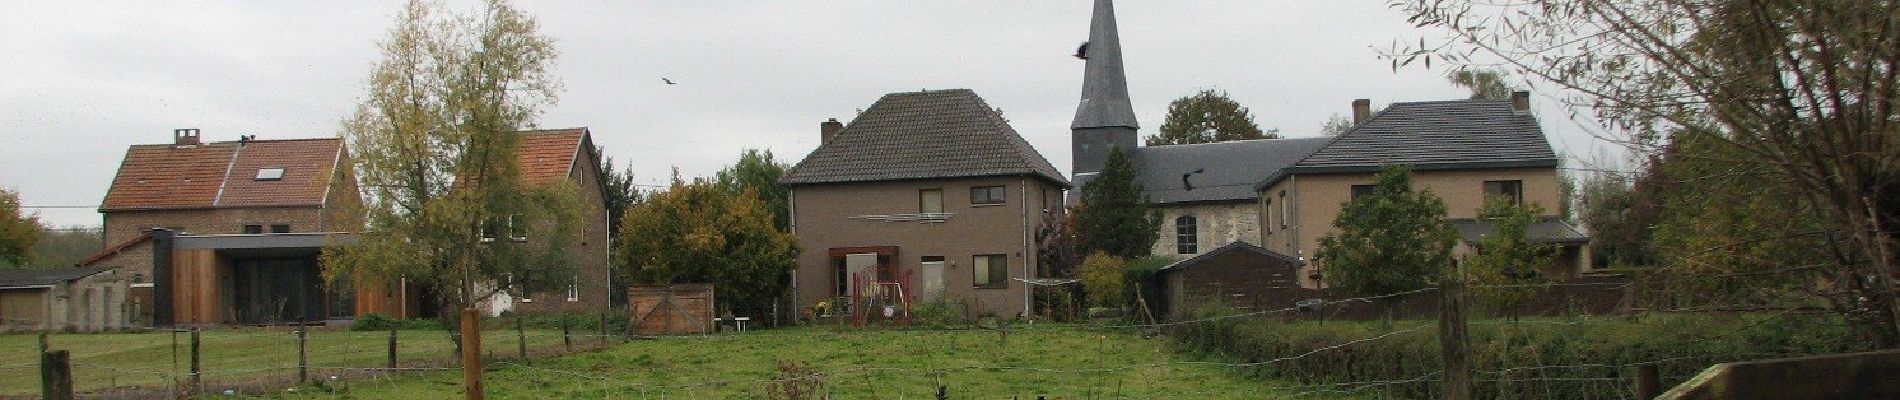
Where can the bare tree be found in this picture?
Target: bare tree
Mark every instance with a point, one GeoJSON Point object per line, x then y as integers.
{"type": "Point", "coordinates": [1805, 89]}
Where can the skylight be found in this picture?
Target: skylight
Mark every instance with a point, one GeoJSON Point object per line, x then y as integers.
{"type": "Point", "coordinates": [270, 174]}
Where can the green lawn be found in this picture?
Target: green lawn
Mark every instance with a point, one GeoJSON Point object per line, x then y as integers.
{"type": "Point", "coordinates": [123, 360]}
{"type": "Point", "coordinates": [1055, 360]}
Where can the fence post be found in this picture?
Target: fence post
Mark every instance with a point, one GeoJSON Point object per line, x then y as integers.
{"type": "Point", "coordinates": [56, 375]}
{"type": "Point", "coordinates": [567, 332]}
{"type": "Point", "coordinates": [1452, 337]}
{"type": "Point", "coordinates": [43, 342]}
{"type": "Point", "coordinates": [303, 355]}
{"type": "Point", "coordinates": [471, 354]}
{"type": "Point", "coordinates": [197, 381]}
{"type": "Point", "coordinates": [1648, 381]}
{"type": "Point", "coordinates": [392, 349]}
{"type": "Point", "coordinates": [943, 393]}
{"type": "Point", "coordinates": [521, 339]}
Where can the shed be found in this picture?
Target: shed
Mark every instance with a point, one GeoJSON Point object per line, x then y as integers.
{"type": "Point", "coordinates": [85, 299]}
{"type": "Point", "coordinates": [670, 310]}
{"type": "Point", "coordinates": [1239, 274]}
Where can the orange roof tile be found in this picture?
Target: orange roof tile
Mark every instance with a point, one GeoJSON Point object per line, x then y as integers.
{"type": "Point", "coordinates": [547, 156]}
{"type": "Point", "coordinates": [222, 174]}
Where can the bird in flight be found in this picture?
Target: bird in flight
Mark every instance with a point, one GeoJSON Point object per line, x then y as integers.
{"type": "Point", "coordinates": [668, 81]}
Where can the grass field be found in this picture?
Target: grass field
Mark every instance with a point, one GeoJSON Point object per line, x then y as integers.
{"type": "Point", "coordinates": [133, 362]}
{"type": "Point", "coordinates": [1058, 361]}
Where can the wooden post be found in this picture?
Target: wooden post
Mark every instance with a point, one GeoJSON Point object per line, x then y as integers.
{"type": "Point", "coordinates": [56, 375]}
{"type": "Point", "coordinates": [197, 380]}
{"type": "Point", "coordinates": [1648, 381]}
{"type": "Point", "coordinates": [392, 349]}
{"type": "Point", "coordinates": [43, 342]}
{"type": "Point", "coordinates": [303, 354]}
{"type": "Point", "coordinates": [1452, 337]}
{"type": "Point", "coordinates": [603, 329]}
{"type": "Point", "coordinates": [943, 393]}
{"type": "Point", "coordinates": [521, 338]}
{"type": "Point", "coordinates": [471, 354]}
{"type": "Point", "coordinates": [567, 332]}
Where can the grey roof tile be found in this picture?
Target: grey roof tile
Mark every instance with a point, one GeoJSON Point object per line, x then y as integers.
{"type": "Point", "coordinates": [1428, 135]}
{"type": "Point", "coordinates": [1230, 247]}
{"type": "Point", "coordinates": [1548, 230]}
{"type": "Point", "coordinates": [923, 135]}
{"type": "Point", "coordinates": [1228, 170]}
{"type": "Point", "coordinates": [41, 277]}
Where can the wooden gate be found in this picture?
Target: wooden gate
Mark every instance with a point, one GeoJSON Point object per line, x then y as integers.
{"type": "Point", "coordinates": [671, 310]}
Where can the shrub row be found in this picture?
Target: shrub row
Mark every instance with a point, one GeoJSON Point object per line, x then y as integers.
{"type": "Point", "coordinates": [1548, 358]}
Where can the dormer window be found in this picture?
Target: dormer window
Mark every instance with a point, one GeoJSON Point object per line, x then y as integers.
{"type": "Point", "coordinates": [270, 174]}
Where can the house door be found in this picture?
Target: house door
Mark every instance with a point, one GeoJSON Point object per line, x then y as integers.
{"type": "Point", "coordinates": [932, 280]}
{"type": "Point", "coordinates": [858, 266]}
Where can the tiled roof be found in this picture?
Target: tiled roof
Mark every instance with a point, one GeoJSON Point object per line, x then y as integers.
{"type": "Point", "coordinates": [548, 155]}
{"type": "Point", "coordinates": [1456, 134]}
{"type": "Point", "coordinates": [922, 135]}
{"type": "Point", "coordinates": [43, 277]}
{"type": "Point", "coordinates": [1548, 230]}
{"type": "Point", "coordinates": [115, 249]}
{"type": "Point", "coordinates": [223, 174]}
{"type": "Point", "coordinates": [1230, 247]}
{"type": "Point", "coordinates": [1228, 171]}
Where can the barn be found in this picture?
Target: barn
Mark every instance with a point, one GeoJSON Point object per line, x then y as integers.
{"type": "Point", "coordinates": [1239, 275]}
{"type": "Point", "coordinates": [81, 299]}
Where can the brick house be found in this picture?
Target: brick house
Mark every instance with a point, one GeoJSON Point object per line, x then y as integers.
{"type": "Point", "coordinates": [1462, 150]}
{"type": "Point", "coordinates": [931, 193]}
{"type": "Point", "coordinates": [546, 157]}
{"type": "Point", "coordinates": [281, 197]}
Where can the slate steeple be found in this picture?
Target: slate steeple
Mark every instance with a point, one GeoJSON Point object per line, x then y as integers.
{"type": "Point", "coordinates": [1104, 118]}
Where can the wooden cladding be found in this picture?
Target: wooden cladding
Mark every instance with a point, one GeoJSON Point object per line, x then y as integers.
{"type": "Point", "coordinates": [195, 296]}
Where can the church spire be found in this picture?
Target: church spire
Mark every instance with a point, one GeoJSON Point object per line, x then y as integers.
{"type": "Point", "coordinates": [1104, 120]}
{"type": "Point", "coordinates": [1104, 87]}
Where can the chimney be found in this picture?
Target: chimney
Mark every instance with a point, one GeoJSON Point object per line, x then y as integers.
{"type": "Point", "coordinates": [1361, 111]}
{"type": "Point", "coordinates": [1521, 102]}
{"type": "Point", "coordinates": [185, 137]}
{"type": "Point", "coordinates": [828, 129]}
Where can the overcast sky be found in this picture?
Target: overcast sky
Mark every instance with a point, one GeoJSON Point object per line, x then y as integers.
{"type": "Point", "coordinates": [83, 81]}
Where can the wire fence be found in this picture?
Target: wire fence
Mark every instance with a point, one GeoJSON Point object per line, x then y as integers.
{"type": "Point", "coordinates": [133, 362]}
{"type": "Point", "coordinates": [937, 362]}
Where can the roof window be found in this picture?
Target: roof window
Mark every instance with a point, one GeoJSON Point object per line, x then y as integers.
{"type": "Point", "coordinates": [270, 174]}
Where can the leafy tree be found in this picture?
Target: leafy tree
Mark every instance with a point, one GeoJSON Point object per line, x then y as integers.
{"type": "Point", "coordinates": [1392, 241]}
{"type": "Point", "coordinates": [1485, 84]}
{"type": "Point", "coordinates": [622, 192]}
{"type": "Point", "coordinates": [18, 232]}
{"type": "Point", "coordinates": [1057, 257]}
{"type": "Point", "coordinates": [1621, 211]}
{"type": "Point", "coordinates": [1801, 90]}
{"type": "Point", "coordinates": [435, 142]}
{"type": "Point", "coordinates": [700, 233]}
{"type": "Point", "coordinates": [1336, 125]}
{"type": "Point", "coordinates": [1506, 260]}
{"type": "Point", "coordinates": [1101, 276]}
{"type": "Point", "coordinates": [1115, 218]}
{"type": "Point", "coordinates": [66, 246]}
{"type": "Point", "coordinates": [1207, 117]}
{"type": "Point", "coordinates": [756, 170]}
{"type": "Point", "coordinates": [1732, 208]}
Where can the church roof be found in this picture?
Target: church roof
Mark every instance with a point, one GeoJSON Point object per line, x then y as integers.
{"type": "Point", "coordinates": [1221, 171]}
{"type": "Point", "coordinates": [1104, 85]}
